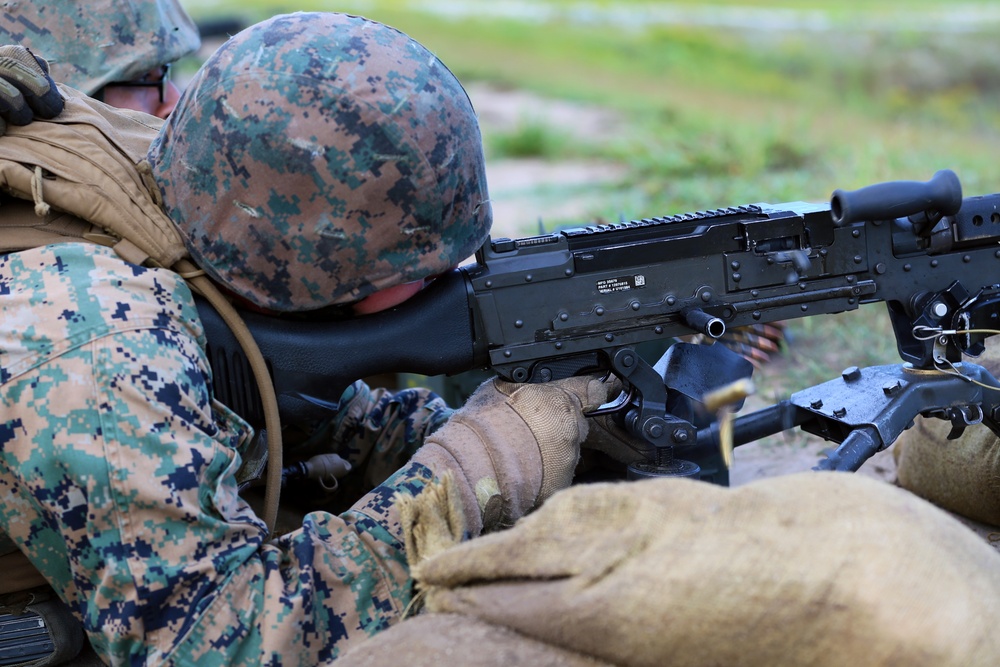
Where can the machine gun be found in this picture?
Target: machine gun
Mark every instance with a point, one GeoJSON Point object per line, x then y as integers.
{"type": "Point", "coordinates": [584, 300]}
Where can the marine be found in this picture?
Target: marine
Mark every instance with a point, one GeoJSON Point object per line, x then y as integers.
{"type": "Point", "coordinates": [315, 160]}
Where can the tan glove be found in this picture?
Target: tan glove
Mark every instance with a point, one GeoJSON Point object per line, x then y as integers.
{"type": "Point", "coordinates": [609, 451]}
{"type": "Point", "coordinates": [26, 89]}
{"type": "Point", "coordinates": [607, 437]}
{"type": "Point", "coordinates": [513, 445]}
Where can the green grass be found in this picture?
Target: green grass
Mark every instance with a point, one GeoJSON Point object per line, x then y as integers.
{"type": "Point", "coordinates": [531, 138]}
{"type": "Point", "coordinates": [717, 116]}
{"type": "Point", "coordinates": [717, 113]}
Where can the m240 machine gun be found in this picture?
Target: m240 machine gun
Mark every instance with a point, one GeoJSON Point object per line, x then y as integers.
{"type": "Point", "coordinates": [585, 300]}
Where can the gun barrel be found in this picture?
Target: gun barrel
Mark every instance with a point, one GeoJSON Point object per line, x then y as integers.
{"type": "Point", "coordinates": [898, 199]}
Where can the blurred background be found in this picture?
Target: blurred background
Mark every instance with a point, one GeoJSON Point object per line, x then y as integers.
{"type": "Point", "coordinates": [601, 111]}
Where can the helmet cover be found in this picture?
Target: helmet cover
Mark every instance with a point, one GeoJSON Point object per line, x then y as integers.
{"type": "Point", "coordinates": [317, 158]}
{"type": "Point", "coordinates": [91, 43]}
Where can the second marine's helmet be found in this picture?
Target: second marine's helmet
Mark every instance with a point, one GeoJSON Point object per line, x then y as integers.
{"type": "Point", "coordinates": [91, 43]}
{"type": "Point", "coordinates": [317, 158]}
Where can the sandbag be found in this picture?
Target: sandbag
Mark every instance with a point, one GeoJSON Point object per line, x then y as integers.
{"type": "Point", "coordinates": [436, 640]}
{"type": "Point", "coordinates": [813, 568]}
{"type": "Point", "coordinates": [961, 475]}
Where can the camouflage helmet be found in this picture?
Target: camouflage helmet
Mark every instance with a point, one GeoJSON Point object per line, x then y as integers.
{"type": "Point", "coordinates": [91, 43]}
{"type": "Point", "coordinates": [317, 158]}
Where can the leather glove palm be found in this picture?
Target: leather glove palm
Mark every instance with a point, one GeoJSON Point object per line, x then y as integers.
{"type": "Point", "coordinates": [26, 89]}
{"type": "Point", "coordinates": [513, 445]}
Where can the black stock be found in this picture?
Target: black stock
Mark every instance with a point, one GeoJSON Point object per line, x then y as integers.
{"type": "Point", "coordinates": [312, 362]}
{"type": "Point", "coordinates": [582, 300]}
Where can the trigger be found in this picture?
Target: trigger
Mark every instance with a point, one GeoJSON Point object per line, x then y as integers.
{"type": "Point", "coordinates": [964, 416]}
{"type": "Point", "coordinates": [623, 399]}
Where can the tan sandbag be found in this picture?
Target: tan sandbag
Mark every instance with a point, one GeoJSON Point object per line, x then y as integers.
{"type": "Point", "coordinates": [440, 640]}
{"type": "Point", "coordinates": [813, 568]}
{"type": "Point", "coordinates": [961, 475]}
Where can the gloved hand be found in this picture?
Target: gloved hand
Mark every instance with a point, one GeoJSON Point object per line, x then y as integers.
{"type": "Point", "coordinates": [513, 445]}
{"type": "Point", "coordinates": [608, 435]}
{"type": "Point", "coordinates": [26, 89]}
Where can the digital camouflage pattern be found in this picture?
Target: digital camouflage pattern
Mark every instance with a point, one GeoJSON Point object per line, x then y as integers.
{"type": "Point", "coordinates": [117, 479]}
{"type": "Point", "coordinates": [317, 158]}
{"type": "Point", "coordinates": [90, 43]}
{"type": "Point", "coordinates": [377, 430]}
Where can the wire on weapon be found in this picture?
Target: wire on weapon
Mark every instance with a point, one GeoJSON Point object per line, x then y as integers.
{"type": "Point", "coordinates": [956, 372]}
{"type": "Point", "coordinates": [922, 332]}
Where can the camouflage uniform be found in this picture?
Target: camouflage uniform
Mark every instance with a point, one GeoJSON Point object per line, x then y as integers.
{"type": "Point", "coordinates": [117, 469]}
{"type": "Point", "coordinates": [117, 478]}
{"type": "Point", "coordinates": [377, 430]}
{"type": "Point", "coordinates": [91, 43]}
